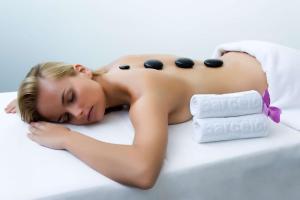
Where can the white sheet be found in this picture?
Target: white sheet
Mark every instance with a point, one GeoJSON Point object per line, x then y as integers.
{"type": "Point", "coordinates": [260, 168]}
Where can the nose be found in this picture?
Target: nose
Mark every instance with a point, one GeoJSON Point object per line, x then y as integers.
{"type": "Point", "coordinates": [76, 111]}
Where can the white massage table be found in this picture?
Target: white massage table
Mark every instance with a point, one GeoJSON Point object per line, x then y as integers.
{"type": "Point", "coordinates": [261, 168]}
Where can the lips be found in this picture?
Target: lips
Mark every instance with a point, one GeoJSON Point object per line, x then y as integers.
{"type": "Point", "coordinates": [89, 115]}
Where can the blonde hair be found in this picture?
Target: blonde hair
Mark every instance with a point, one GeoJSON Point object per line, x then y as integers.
{"type": "Point", "coordinates": [28, 90]}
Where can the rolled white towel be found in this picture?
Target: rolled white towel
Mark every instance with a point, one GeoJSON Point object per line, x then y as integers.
{"type": "Point", "coordinates": [226, 105]}
{"type": "Point", "coordinates": [230, 128]}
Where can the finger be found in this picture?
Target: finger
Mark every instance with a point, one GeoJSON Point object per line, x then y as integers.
{"type": "Point", "coordinates": [9, 106]}
{"type": "Point", "coordinates": [40, 125]}
{"type": "Point", "coordinates": [8, 111]}
{"type": "Point", "coordinates": [30, 135]}
{"type": "Point", "coordinates": [11, 110]}
{"type": "Point", "coordinates": [36, 125]}
{"type": "Point", "coordinates": [33, 130]}
{"type": "Point", "coordinates": [43, 124]}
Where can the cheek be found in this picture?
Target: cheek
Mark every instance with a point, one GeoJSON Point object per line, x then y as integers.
{"type": "Point", "coordinates": [88, 91]}
{"type": "Point", "coordinates": [96, 92]}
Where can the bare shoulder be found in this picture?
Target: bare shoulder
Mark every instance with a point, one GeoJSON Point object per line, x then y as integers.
{"type": "Point", "coordinates": [148, 107]}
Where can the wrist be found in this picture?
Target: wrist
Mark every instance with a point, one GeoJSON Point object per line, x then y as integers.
{"type": "Point", "coordinates": [68, 139]}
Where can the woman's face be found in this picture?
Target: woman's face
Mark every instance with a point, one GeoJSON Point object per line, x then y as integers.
{"type": "Point", "coordinates": [72, 99]}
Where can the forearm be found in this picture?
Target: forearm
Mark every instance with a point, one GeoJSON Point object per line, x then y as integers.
{"type": "Point", "coordinates": [118, 162]}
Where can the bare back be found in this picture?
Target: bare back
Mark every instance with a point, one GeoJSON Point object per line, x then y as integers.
{"type": "Point", "coordinates": [175, 86]}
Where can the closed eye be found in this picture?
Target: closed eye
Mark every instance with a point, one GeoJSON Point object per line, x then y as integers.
{"type": "Point", "coordinates": [71, 97]}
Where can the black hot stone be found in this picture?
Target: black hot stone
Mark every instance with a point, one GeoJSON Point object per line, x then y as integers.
{"type": "Point", "coordinates": [184, 63]}
{"type": "Point", "coordinates": [154, 64]}
{"type": "Point", "coordinates": [124, 66]}
{"type": "Point", "coordinates": [214, 63]}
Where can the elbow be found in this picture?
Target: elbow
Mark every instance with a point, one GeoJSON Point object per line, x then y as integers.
{"type": "Point", "coordinates": [147, 178]}
{"type": "Point", "coordinates": [145, 183]}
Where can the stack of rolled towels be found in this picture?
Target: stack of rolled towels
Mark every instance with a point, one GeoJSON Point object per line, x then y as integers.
{"type": "Point", "coordinates": [218, 117]}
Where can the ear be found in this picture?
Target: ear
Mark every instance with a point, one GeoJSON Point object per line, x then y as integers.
{"type": "Point", "coordinates": [80, 69]}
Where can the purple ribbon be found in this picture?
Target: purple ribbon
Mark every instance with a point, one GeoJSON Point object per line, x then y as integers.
{"type": "Point", "coordinates": [271, 111]}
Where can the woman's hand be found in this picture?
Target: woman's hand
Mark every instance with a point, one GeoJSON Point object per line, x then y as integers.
{"type": "Point", "coordinates": [48, 134]}
{"type": "Point", "coordinates": [11, 107]}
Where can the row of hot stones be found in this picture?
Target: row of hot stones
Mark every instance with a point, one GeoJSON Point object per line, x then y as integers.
{"type": "Point", "coordinates": [180, 62]}
{"type": "Point", "coordinates": [158, 65]}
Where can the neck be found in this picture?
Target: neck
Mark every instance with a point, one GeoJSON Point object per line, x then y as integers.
{"type": "Point", "coordinates": [115, 95]}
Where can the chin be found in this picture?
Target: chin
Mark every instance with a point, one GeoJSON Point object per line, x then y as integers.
{"type": "Point", "coordinates": [93, 122]}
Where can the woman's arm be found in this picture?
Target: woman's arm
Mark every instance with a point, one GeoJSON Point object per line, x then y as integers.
{"type": "Point", "coordinates": [138, 164]}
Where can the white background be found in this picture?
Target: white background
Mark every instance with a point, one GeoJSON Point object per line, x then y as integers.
{"type": "Point", "coordinates": [95, 33]}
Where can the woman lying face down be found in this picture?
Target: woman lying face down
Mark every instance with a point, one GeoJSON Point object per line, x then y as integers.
{"type": "Point", "coordinates": [63, 93]}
